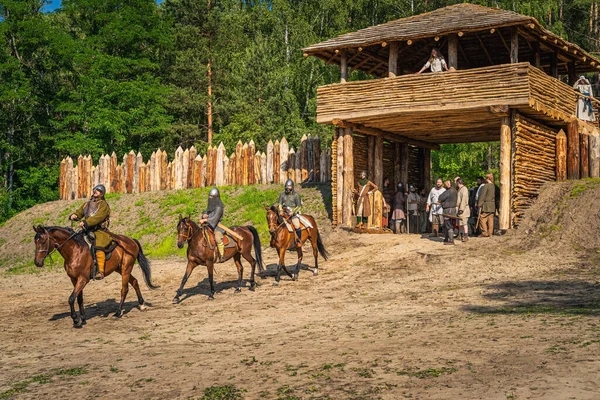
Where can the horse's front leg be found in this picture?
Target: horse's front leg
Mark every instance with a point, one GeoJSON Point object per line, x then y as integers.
{"type": "Point", "coordinates": [280, 264]}
{"type": "Point", "coordinates": [188, 271]}
{"type": "Point", "coordinates": [299, 263]}
{"type": "Point", "coordinates": [81, 310]}
{"type": "Point", "coordinates": [78, 284]}
{"type": "Point", "coordinates": [240, 269]}
{"type": "Point", "coordinates": [124, 290]}
{"type": "Point", "coordinates": [210, 266]}
{"type": "Point", "coordinates": [315, 249]}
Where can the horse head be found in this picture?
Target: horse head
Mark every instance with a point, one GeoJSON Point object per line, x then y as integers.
{"type": "Point", "coordinates": [273, 218]}
{"type": "Point", "coordinates": [44, 244]}
{"type": "Point", "coordinates": [185, 230]}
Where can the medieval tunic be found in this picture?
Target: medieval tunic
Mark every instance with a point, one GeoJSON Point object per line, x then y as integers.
{"type": "Point", "coordinates": [448, 200]}
{"type": "Point", "coordinates": [584, 109]}
{"type": "Point", "coordinates": [215, 210]}
{"type": "Point", "coordinates": [487, 202]}
{"type": "Point", "coordinates": [399, 204]}
{"type": "Point", "coordinates": [434, 208]}
{"type": "Point", "coordinates": [462, 204]}
{"type": "Point", "coordinates": [363, 204]}
{"type": "Point", "coordinates": [95, 215]}
{"type": "Point", "coordinates": [290, 203]}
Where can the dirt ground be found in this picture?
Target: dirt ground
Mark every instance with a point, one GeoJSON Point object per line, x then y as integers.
{"type": "Point", "coordinates": [388, 317]}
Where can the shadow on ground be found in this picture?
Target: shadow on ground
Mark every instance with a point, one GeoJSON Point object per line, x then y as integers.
{"type": "Point", "coordinates": [574, 297]}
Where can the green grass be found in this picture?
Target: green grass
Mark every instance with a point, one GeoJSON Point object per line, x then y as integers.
{"type": "Point", "coordinates": [584, 185]}
{"type": "Point", "coordinates": [227, 392]}
{"type": "Point", "coordinates": [426, 373]}
{"type": "Point", "coordinates": [41, 379]}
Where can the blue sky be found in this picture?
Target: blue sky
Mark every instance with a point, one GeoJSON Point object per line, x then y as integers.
{"type": "Point", "coordinates": [54, 4]}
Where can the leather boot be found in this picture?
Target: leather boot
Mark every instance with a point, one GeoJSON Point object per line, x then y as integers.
{"type": "Point", "coordinates": [299, 237]}
{"type": "Point", "coordinates": [398, 226]}
{"type": "Point", "coordinates": [101, 257]}
{"type": "Point", "coordinates": [434, 232]}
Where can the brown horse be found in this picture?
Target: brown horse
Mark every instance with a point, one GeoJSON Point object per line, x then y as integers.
{"type": "Point", "coordinates": [78, 263]}
{"type": "Point", "coordinates": [200, 252]}
{"type": "Point", "coordinates": [282, 239]}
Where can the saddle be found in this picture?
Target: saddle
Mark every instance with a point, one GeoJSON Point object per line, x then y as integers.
{"type": "Point", "coordinates": [228, 241]}
{"type": "Point", "coordinates": [90, 239]}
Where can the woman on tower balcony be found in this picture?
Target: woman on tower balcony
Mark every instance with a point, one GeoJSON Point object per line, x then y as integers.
{"type": "Point", "coordinates": [436, 62]}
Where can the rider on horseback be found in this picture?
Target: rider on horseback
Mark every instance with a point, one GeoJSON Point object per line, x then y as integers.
{"type": "Point", "coordinates": [289, 204]}
{"type": "Point", "coordinates": [213, 216]}
{"type": "Point", "coordinates": [94, 216]}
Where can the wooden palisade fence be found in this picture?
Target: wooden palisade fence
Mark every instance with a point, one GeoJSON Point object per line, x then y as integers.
{"type": "Point", "coordinates": [188, 169]}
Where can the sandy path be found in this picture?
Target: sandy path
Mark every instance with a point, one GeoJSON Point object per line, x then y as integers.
{"type": "Point", "coordinates": [388, 317]}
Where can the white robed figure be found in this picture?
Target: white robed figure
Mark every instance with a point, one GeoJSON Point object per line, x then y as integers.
{"type": "Point", "coordinates": [584, 110]}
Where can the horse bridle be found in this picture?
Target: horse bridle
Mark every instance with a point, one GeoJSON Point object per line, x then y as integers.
{"type": "Point", "coordinates": [271, 224]}
{"type": "Point", "coordinates": [190, 232]}
{"type": "Point", "coordinates": [56, 245]}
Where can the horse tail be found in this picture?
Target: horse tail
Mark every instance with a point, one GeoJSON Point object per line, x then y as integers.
{"type": "Point", "coordinates": [145, 266]}
{"type": "Point", "coordinates": [321, 247]}
{"type": "Point", "coordinates": [257, 248]}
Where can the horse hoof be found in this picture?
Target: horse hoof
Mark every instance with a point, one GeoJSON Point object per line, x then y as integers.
{"type": "Point", "coordinates": [77, 325]}
{"type": "Point", "coordinates": [315, 273]}
{"type": "Point", "coordinates": [176, 300]}
{"type": "Point", "coordinates": [83, 322]}
{"type": "Point", "coordinates": [237, 290]}
{"type": "Point", "coordinates": [142, 307]}
{"type": "Point", "coordinates": [275, 283]}
{"type": "Point", "coordinates": [211, 297]}
{"type": "Point", "coordinates": [252, 287]}
{"type": "Point", "coordinates": [118, 314]}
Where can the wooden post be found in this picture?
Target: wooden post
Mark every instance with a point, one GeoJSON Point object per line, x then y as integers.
{"type": "Point", "coordinates": [239, 162]}
{"type": "Point", "coordinates": [514, 46]}
{"type": "Point", "coordinates": [561, 156]}
{"type": "Point", "coordinates": [304, 158]}
{"type": "Point", "coordinates": [317, 158]}
{"type": "Point", "coordinates": [310, 166]}
{"type": "Point", "coordinates": [270, 154]}
{"type": "Point", "coordinates": [120, 179]}
{"type": "Point", "coordinates": [393, 60]}
{"type": "Point", "coordinates": [427, 169]}
{"type": "Point", "coordinates": [152, 165]}
{"type": "Point", "coordinates": [404, 163]}
{"type": "Point", "coordinates": [571, 70]}
{"type": "Point", "coordinates": [251, 168]}
{"type": "Point", "coordinates": [163, 161]}
{"type": "Point", "coordinates": [245, 164]}
{"type": "Point", "coordinates": [505, 174]}
{"type": "Point", "coordinates": [214, 165]}
{"type": "Point", "coordinates": [284, 151]}
{"type": "Point", "coordinates": [340, 175]}
{"type": "Point", "coordinates": [291, 163]}
{"type": "Point", "coordinates": [594, 153]}
{"type": "Point", "coordinates": [370, 156]}
{"type": "Point", "coordinates": [378, 163]}
{"type": "Point", "coordinates": [203, 173]}
{"type": "Point", "coordinates": [276, 162]}
{"type": "Point", "coordinates": [185, 168]}
{"type": "Point", "coordinates": [220, 173]}
{"type": "Point", "coordinates": [584, 139]}
{"type": "Point", "coordinates": [196, 172]}
{"type": "Point", "coordinates": [298, 166]}
{"type": "Point", "coordinates": [193, 155]}
{"type": "Point", "coordinates": [573, 153]}
{"type": "Point", "coordinates": [554, 65]}
{"type": "Point", "coordinates": [453, 50]}
{"type": "Point", "coordinates": [139, 160]}
{"type": "Point", "coordinates": [535, 56]}
{"type": "Point", "coordinates": [344, 67]}
{"type": "Point", "coordinates": [263, 168]}
{"type": "Point", "coordinates": [348, 178]}
{"type": "Point", "coordinates": [233, 161]}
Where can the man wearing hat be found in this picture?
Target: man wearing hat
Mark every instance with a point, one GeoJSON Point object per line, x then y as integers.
{"type": "Point", "coordinates": [289, 204]}
{"type": "Point", "coordinates": [365, 187]}
{"type": "Point", "coordinates": [94, 216]}
{"type": "Point", "coordinates": [487, 204]}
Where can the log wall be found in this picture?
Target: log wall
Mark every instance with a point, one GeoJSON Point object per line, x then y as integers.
{"type": "Point", "coordinates": [534, 163]}
{"type": "Point", "coordinates": [188, 169]}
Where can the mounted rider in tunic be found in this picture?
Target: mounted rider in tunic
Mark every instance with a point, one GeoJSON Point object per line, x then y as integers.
{"type": "Point", "coordinates": [212, 216]}
{"type": "Point", "coordinates": [289, 205]}
{"type": "Point", "coordinates": [94, 216]}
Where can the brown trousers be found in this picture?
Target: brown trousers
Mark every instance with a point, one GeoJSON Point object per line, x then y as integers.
{"type": "Point", "coordinates": [486, 224]}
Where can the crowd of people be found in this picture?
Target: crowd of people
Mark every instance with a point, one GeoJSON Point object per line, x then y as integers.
{"type": "Point", "coordinates": [449, 207]}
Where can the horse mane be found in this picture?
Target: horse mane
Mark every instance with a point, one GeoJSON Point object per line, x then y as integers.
{"type": "Point", "coordinates": [77, 236]}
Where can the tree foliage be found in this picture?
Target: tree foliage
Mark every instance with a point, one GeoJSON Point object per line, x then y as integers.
{"type": "Point", "coordinates": [98, 76]}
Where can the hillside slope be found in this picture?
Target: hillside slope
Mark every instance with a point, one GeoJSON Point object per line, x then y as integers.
{"type": "Point", "coordinates": [565, 216]}
{"type": "Point", "coordinates": [152, 218]}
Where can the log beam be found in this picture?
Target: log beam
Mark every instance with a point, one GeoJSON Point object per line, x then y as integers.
{"type": "Point", "coordinates": [453, 51]}
{"type": "Point", "coordinates": [572, 72]}
{"type": "Point", "coordinates": [484, 49]}
{"type": "Point", "coordinates": [344, 66]}
{"type": "Point", "coordinates": [554, 65]}
{"type": "Point", "coordinates": [393, 60]}
{"type": "Point", "coordinates": [594, 154]}
{"type": "Point", "coordinates": [378, 162]}
{"type": "Point", "coordinates": [573, 162]}
{"type": "Point", "coordinates": [505, 174]}
{"type": "Point", "coordinates": [348, 178]}
{"type": "Point", "coordinates": [427, 169]}
{"type": "Point", "coordinates": [584, 158]}
{"type": "Point", "coordinates": [386, 135]}
{"type": "Point", "coordinates": [404, 163]}
{"type": "Point", "coordinates": [561, 156]}
{"type": "Point", "coordinates": [514, 46]}
{"type": "Point", "coordinates": [340, 174]}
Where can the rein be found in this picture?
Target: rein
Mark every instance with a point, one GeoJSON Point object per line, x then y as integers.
{"type": "Point", "coordinates": [56, 246]}
{"type": "Point", "coordinates": [190, 232]}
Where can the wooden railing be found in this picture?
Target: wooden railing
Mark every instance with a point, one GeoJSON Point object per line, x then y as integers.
{"type": "Point", "coordinates": [188, 169]}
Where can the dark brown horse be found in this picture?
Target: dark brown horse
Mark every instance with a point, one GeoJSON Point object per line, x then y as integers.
{"type": "Point", "coordinates": [200, 252]}
{"type": "Point", "coordinates": [282, 239]}
{"type": "Point", "coordinates": [78, 263]}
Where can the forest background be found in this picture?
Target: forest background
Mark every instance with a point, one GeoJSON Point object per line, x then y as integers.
{"type": "Point", "coordinates": [97, 76]}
